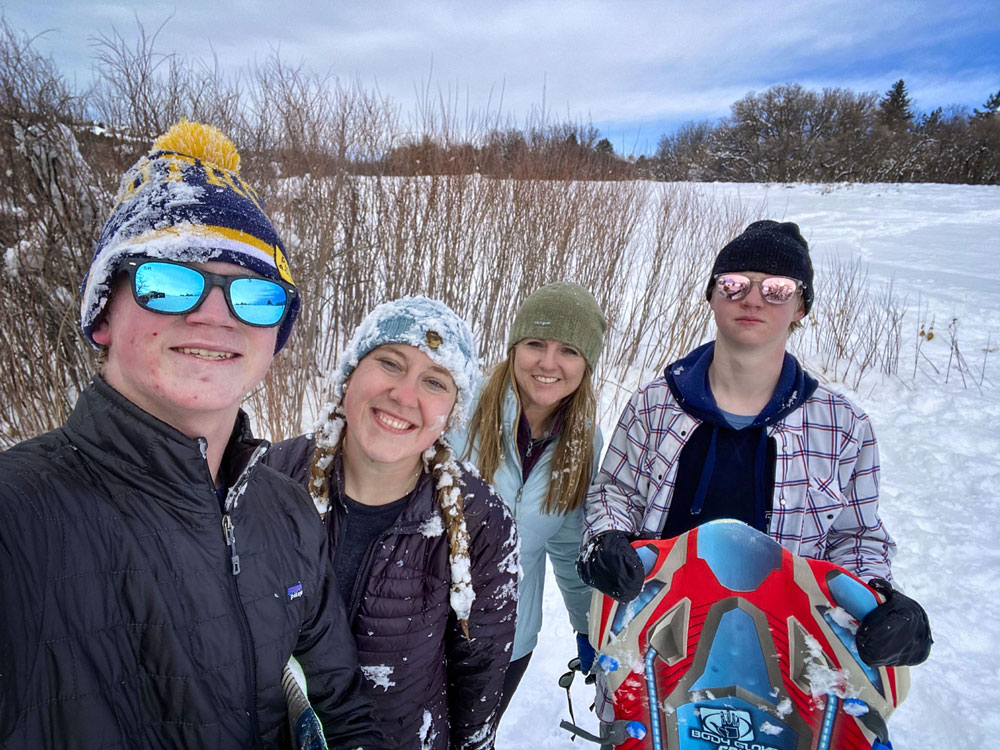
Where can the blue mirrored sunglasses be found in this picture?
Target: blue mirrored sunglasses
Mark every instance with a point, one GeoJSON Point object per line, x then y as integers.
{"type": "Point", "coordinates": [172, 288]}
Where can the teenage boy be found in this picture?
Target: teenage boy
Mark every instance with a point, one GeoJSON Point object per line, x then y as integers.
{"type": "Point", "coordinates": [737, 429]}
{"type": "Point", "coordinates": [155, 576]}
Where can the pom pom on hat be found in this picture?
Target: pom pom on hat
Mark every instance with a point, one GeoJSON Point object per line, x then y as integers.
{"type": "Point", "coordinates": [185, 201]}
{"type": "Point", "coordinates": [204, 142]}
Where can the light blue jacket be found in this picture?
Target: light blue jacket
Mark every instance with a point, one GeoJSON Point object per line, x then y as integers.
{"type": "Point", "coordinates": [540, 533]}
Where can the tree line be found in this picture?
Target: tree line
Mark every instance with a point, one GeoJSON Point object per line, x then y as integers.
{"type": "Point", "coordinates": [792, 134]}
{"type": "Point", "coordinates": [290, 121]}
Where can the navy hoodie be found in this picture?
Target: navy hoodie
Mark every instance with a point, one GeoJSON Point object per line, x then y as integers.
{"type": "Point", "coordinates": [723, 472]}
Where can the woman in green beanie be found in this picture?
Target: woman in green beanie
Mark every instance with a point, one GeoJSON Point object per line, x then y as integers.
{"type": "Point", "coordinates": [533, 436]}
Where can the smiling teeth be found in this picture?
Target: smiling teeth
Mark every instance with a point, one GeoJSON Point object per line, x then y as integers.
{"type": "Point", "coordinates": [206, 353]}
{"type": "Point", "coordinates": [396, 424]}
{"type": "Point", "coordinates": [545, 380]}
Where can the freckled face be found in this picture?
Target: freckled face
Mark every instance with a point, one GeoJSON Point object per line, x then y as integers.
{"type": "Point", "coordinates": [546, 371]}
{"type": "Point", "coordinates": [181, 368]}
{"type": "Point", "coordinates": [397, 403]}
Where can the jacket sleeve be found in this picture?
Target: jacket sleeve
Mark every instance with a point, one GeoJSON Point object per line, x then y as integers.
{"type": "Point", "coordinates": [563, 549]}
{"type": "Point", "coordinates": [22, 586]}
{"type": "Point", "coordinates": [328, 657]}
{"type": "Point", "coordinates": [477, 665]}
{"type": "Point", "coordinates": [858, 539]}
{"type": "Point", "coordinates": [619, 494]}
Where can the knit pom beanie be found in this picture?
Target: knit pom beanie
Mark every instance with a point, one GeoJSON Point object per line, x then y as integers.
{"type": "Point", "coordinates": [433, 328]}
{"type": "Point", "coordinates": [185, 201]}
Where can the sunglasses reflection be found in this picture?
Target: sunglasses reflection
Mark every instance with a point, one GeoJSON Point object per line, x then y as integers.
{"type": "Point", "coordinates": [178, 288]}
{"type": "Point", "coordinates": [775, 289]}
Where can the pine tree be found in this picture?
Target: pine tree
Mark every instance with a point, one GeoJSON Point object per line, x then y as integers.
{"type": "Point", "coordinates": [991, 108]}
{"type": "Point", "coordinates": [894, 107]}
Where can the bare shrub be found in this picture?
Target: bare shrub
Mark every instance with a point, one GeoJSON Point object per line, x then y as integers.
{"type": "Point", "coordinates": [315, 149]}
{"type": "Point", "coordinates": [480, 245]}
{"type": "Point", "coordinates": [138, 89]}
{"type": "Point", "coordinates": [667, 314]}
{"type": "Point", "coordinates": [853, 328]}
{"type": "Point", "coordinates": [48, 218]}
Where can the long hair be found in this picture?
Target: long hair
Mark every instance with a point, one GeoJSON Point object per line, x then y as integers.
{"type": "Point", "coordinates": [439, 461]}
{"type": "Point", "coordinates": [573, 460]}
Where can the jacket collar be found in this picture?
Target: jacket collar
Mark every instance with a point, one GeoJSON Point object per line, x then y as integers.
{"type": "Point", "coordinates": [149, 454]}
{"type": "Point", "coordinates": [512, 415]}
{"type": "Point", "coordinates": [421, 508]}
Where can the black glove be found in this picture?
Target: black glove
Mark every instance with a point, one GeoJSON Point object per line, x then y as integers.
{"type": "Point", "coordinates": [611, 565]}
{"type": "Point", "coordinates": [896, 633]}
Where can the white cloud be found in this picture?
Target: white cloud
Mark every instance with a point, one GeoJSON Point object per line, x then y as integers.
{"type": "Point", "coordinates": [606, 61]}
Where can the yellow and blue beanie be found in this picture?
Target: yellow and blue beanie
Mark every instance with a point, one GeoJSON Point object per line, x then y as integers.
{"type": "Point", "coordinates": [185, 201]}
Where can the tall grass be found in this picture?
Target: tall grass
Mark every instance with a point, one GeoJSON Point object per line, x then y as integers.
{"type": "Point", "coordinates": [357, 232]}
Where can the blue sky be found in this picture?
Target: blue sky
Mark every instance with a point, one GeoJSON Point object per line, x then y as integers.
{"type": "Point", "coordinates": [635, 69]}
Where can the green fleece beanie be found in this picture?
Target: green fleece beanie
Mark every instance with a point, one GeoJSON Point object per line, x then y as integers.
{"type": "Point", "coordinates": [562, 311]}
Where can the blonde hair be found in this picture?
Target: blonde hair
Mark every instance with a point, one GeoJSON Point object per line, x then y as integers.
{"type": "Point", "coordinates": [796, 325]}
{"type": "Point", "coordinates": [573, 460]}
{"type": "Point", "coordinates": [440, 461]}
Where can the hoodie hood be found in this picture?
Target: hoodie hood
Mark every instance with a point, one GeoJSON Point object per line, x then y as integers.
{"type": "Point", "coordinates": [687, 379]}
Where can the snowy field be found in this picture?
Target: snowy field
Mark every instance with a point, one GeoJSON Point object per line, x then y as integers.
{"type": "Point", "coordinates": [939, 436]}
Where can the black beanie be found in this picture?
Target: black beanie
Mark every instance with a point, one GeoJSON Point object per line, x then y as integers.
{"type": "Point", "coordinates": [768, 247]}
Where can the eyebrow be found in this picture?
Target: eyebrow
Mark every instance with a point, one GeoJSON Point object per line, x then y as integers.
{"type": "Point", "coordinates": [397, 349]}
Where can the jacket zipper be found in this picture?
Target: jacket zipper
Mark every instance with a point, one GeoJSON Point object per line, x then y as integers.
{"type": "Point", "coordinates": [229, 535]}
{"type": "Point", "coordinates": [520, 471]}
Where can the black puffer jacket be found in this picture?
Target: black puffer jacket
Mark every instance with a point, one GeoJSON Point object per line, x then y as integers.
{"type": "Point", "coordinates": [431, 687]}
{"type": "Point", "coordinates": [122, 624]}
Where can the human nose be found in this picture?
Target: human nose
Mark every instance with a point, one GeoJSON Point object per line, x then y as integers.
{"type": "Point", "coordinates": [213, 310]}
{"type": "Point", "coordinates": [755, 296]}
{"type": "Point", "coordinates": [404, 392]}
{"type": "Point", "coordinates": [548, 360]}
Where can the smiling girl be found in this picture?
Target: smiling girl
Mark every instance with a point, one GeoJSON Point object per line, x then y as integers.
{"type": "Point", "coordinates": [425, 554]}
{"type": "Point", "coordinates": [533, 436]}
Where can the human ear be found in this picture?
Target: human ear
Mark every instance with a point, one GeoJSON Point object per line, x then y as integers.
{"type": "Point", "coordinates": [102, 331]}
{"type": "Point", "coordinates": [801, 312]}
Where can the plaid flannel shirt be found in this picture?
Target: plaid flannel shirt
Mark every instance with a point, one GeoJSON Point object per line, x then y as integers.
{"type": "Point", "coordinates": [825, 502]}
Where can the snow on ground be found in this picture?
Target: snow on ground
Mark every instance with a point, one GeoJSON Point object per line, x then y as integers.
{"type": "Point", "coordinates": [940, 452]}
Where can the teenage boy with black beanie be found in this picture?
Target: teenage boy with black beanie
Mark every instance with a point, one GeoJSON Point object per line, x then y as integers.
{"type": "Point", "coordinates": [737, 429]}
{"type": "Point", "coordinates": [155, 575]}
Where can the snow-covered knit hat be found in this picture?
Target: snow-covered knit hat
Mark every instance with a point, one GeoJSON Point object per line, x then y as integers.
{"type": "Point", "coordinates": [185, 201]}
{"type": "Point", "coordinates": [434, 329]}
{"type": "Point", "coordinates": [768, 247]}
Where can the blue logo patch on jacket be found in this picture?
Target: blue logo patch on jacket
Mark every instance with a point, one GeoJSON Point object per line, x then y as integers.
{"type": "Point", "coordinates": [294, 592]}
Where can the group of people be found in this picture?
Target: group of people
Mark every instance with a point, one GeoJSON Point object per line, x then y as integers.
{"type": "Point", "coordinates": [169, 581]}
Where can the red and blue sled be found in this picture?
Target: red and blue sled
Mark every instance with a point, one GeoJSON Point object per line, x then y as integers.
{"type": "Point", "coordinates": [735, 643]}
